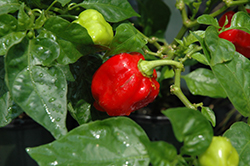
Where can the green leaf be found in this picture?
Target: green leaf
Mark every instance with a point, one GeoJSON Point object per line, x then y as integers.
{"type": "Point", "coordinates": [83, 71]}
{"type": "Point", "coordinates": [127, 39]}
{"type": "Point", "coordinates": [10, 39]}
{"type": "Point", "coordinates": [239, 135]}
{"type": "Point", "coordinates": [221, 50]}
{"type": "Point", "coordinates": [166, 73]}
{"type": "Point", "coordinates": [203, 45]}
{"type": "Point", "coordinates": [192, 128]}
{"type": "Point", "coordinates": [203, 82]}
{"type": "Point", "coordinates": [39, 91]}
{"type": "Point", "coordinates": [40, 20]}
{"type": "Point", "coordinates": [209, 114]}
{"type": "Point", "coordinates": [73, 39]}
{"type": "Point", "coordinates": [208, 20]}
{"type": "Point", "coordinates": [161, 153]}
{"type": "Point", "coordinates": [68, 51]}
{"type": "Point", "coordinates": [63, 2]}
{"type": "Point", "coordinates": [200, 58]}
{"type": "Point", "coordinates": [112, 10]}
{"type": "Point", "coordinates": [67, 72]}
{"type": "Point", "coordinates": [241, 20]}
{"type": "Point", "coordinates": [81, 113]}
{"type": "Point", "coordinates": [8, 24]}
{"type": "Point", "coordinates": [234, 77]}
{"type": "Point", "coordinates": [114, 141]}
{"type": "Point", "coordinates": [154, 23]}
{"type": "Point", "coordinates": [3, 87]}
{"type": "Point", "coordinates": [8, 34]}
{"type": "Point", "coordinates": [24, 21]}
{"type": "Point", "coordinates": [9, 6]}
{"type": "Point", "coordinates": [194, 6]}
{"type": "Point", "coordinates": [8, 110]}
{"type": "Point", "coordinates": [44, 51]}
{"type": "Point", "coordinates": [191, 38]}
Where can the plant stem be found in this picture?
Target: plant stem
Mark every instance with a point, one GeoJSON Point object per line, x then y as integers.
{"type": "Point", "coordinates": [51, 6]}
{"type": "Point", "coordinates": [176, 90]}
{"type": "Point", "coordinates": [180, 34]}
{"type": "Point", "coordinates": [147, 67]}
{"type": "Point", "coordinates": [236, 3]}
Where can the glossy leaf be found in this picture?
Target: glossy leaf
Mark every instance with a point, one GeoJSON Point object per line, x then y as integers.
{"type": "Point", "coordinates": [44, 51]}
{"type": "Point", "coordinates": [8, 24]}
{"type": "Point", "coordinates": [114, 141]}
{"type": "Point", "coordinates": [73, 39]}
{"type": "Point", "coordinates": [206, 54]}
{"type": "Point", "coordinates": [161, 153]}
{"type": "Point", "coordinates": [8, 34]}
{"type": "Point", "coordinates": [9, 6]}
{"type": "Point", "coordinates": [208, 20]}
{"type": "Point", "coordinates": [233, 75]}
{"type": "Point", "coordinates": [221, 50]}
{"type": "Point", "coordinates": [24, 21]}
{"type": "Point", "coordinates": [40, 20]}
{"type": "Point", "coordinates": [8, 110]}
{"type": "Point", "coordinates": [112, 10]}
{"type": "Point", "coordinates": [9, 39]}
{"type": "Point", "coordinates": [68, 51]}
{"type": "Point", "coordinates": [209, 114]}
{"type": "Point", "coordinates": [239, 135]}
{"type": "Point", "coordinates": [39, 91]}
{"type": "Point", "coordinates": [153, 23]}
{"type": "Point", "coordinates": [241, 20]}
{"type": "Point", "coordinates": [81, 113]}
{"type": "Point", "coordinates": [200, 58]}
{"type": "Point", "coordinates": [203, 82]}
{"type": "Point", "coordinates": [191, 38]}
{"type": "Point", "coordinates": [191, 128]}
{"type": "Point", "coordinates": [127, 39]}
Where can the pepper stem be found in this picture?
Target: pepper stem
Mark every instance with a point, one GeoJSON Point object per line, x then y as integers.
{"type": "Point", "coordinates": [147, 67]}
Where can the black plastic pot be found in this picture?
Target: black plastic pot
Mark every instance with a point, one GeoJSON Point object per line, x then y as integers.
{"type": "Point", "coordinates": [18, 135]}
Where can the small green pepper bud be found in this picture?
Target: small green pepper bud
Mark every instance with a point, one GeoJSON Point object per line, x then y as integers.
{"type": "Point", "coordinates": [100, 31]}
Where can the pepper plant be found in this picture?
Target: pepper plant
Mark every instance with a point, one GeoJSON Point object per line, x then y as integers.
{"type": "Point", "coordinates": [50, 52]}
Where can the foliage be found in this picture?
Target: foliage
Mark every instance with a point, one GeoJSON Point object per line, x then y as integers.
{"type": "Point", "coordinates": [47, 63]}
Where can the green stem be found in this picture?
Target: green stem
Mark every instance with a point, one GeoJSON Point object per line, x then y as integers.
{"type": "Point", "coordinates": [236, 3]}
{"type": "Point", "coordinates": [51, 5]}
{"type": "Point", "coordinates": [176, 90]}
{"type": "Point", "coordinates": [147, 67]}
{"type": "Point", "coordinates": [180, 34]}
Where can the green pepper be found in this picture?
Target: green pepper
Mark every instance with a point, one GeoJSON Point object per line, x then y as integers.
{"type": "Point", "coordinates": [219, 153]}
{"type": "Point", "coordinates": [100, 31]}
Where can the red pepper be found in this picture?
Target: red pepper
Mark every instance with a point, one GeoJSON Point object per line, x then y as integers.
{"type": "Point", "coordinates": [227, 15]}
{"type": "Point", "coordinates": [239, 38]}
{"type": "Point", "coordinates": [119, 87]}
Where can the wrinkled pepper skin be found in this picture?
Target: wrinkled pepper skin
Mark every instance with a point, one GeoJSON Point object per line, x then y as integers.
{"type": "Point", "coordinates": [99, 30]}
{"type": "Point", "coordinates": [219, 153]}
{"type": "Point", "coordinates": [239, 38]}
{"type": "Point", "coordinates": [119, 88]}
